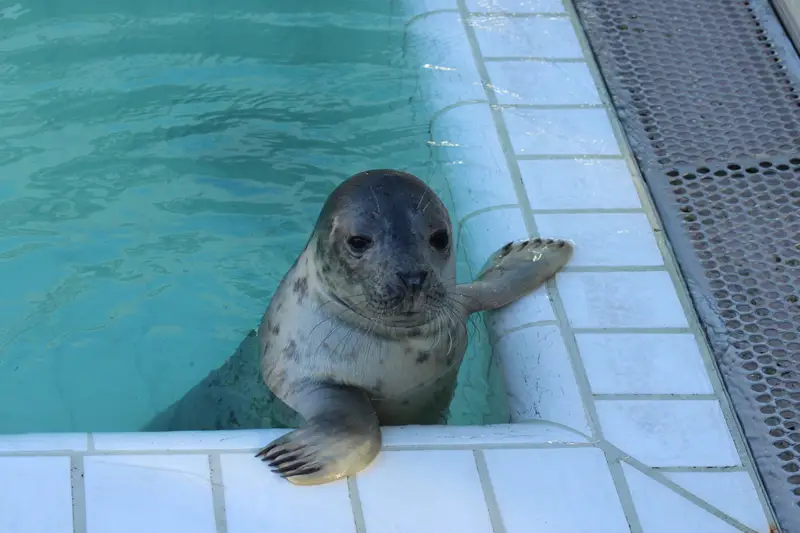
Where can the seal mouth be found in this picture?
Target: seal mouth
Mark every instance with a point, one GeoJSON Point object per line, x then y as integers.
{"type": "Point", "coordinates": [391, 316]}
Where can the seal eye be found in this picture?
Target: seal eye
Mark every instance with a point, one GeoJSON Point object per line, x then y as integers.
{"type": "Point", "coordinates": [440, 240]}
{"type": "Point", "coordinates": [358, 244]}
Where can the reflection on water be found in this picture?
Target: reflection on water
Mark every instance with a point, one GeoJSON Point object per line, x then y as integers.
{"type": "Point", "coordinates": [161, 165]}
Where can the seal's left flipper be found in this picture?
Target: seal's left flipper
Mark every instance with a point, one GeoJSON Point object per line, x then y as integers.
{"type": "Point", "coordinates": [515, 270]}
{"type": "Point", "coordinates": [341, 436]}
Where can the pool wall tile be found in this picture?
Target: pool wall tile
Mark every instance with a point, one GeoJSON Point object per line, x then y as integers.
{"type": "Point", "coordinates": [540, 378]}
{"type": "Point", "coordinates": [541, 37]}
{"type": "Point", "coordinates": [555, 490]}
{"type": "Point", "coordinates": [485, 233]}
{"type": "Point", "coordinates": [730, 492]}
{"type": "Point", "coordinates": [556, 83]}
{"type": "Point", "coordinates": [548, 132]}
{"type": "Point", "coordinates": [532, 308]}
{"type": "Point", "coordinates": [256, 500]}
{"type": "Point", "coordinates": [605, 239]}
{"type": "Point", "coordinates": [669, 433]}
{"type": "Point", "coordinates": [448, 74]}
{"type": "Point", "coordinates": [423, 492]}
{"type": "Point", "coordinates": [153, 493]}
{"type": "Point", "coordinates": [579, 184]}
{"type": "Point", "coordinates": [621, 300]}
{"type": "Point", "coordinates": [35, 495]}
{"type": "Point", "coordinates": [643, 363]}
{"type": "Point", "coordinates": [515, 6]}
{"type": "Point", "coordinates": [661, 510]}
{"type": "Point", "coordinates": [468, 158]}
{"type": "Point", "coordinates": [43, 442]}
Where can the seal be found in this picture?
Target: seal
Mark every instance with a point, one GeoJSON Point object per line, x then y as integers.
{"type": "Point", "coordinates": [368, 327]}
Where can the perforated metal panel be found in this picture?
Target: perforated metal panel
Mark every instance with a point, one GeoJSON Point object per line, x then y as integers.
{"type": "Point", "coordinates": [707, 92]}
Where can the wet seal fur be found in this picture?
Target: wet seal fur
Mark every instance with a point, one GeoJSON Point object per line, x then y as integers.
{"type": "Point", "coordinates": [367, 328]}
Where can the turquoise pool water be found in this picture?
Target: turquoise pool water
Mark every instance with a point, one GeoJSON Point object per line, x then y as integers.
{"type": "Point", "coordinates": [161, 165]}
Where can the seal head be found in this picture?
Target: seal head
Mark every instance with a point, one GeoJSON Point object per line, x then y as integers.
{"type": "Point", "coordinates": [384, 246]}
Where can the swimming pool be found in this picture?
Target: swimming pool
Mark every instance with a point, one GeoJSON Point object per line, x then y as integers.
{"type": "Point", "coordinates": [163, 164]}
{"type": "Point", "coordinates": [613, 397]}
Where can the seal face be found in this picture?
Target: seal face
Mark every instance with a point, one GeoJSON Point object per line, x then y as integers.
{"type": "Point", "coordinates": [383, 247]}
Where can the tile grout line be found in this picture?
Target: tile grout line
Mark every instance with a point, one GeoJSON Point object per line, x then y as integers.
{"type": "Point", "coordinates": [506, 332]}
{"type": "Point", "coordinates": [421, 16]}
{"type": "Point", "coordinates": [662, 479]}
{"type": "Point", "coordinates": [590, 211]}
{"type": "Point", "coordinates": [355, 505]}
{"type": "Point", "coordinates": [495, 518]}
{"type": "Point", "coordinates": [481, 211]}
{"type": "Point", "coordinates": [537, 59]}
{"type": "Point", "coordinates": [217, 492]}
{"type": "Point", "coordinates": [690, 469]}
{"type": "Point", "coordinates": [640, 397]}
{"type": "Point", "coordinates": [567, 335]}
{"type": "Point", "coordinates": [558, 157]}
{"type": "Point", "coordinates": [386, 447]}
{"type": "Point", "coordinates": [615, 268]}
{"type": "Point", "coordinates": [78, 485]}
{"type": "Point", "coordinates": [695, 328]}
{"type": "Point", "coordinates": [633, 331]}
{"type": "Point", "coordinates": [485, 14]}
{"type": "Point", "coordinates": [450, 107]}
{"type": "Point", "coordinates": [549, 107]}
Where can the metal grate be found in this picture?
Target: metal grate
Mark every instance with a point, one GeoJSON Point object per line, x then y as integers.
{"type": "Point", "coordinates": [707, 92]}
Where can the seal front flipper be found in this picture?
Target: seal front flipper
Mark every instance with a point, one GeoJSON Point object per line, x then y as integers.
{"type": "Point", "coordinates": [341, 435]}
{"type": "Point", "coordinates": [513, 271]}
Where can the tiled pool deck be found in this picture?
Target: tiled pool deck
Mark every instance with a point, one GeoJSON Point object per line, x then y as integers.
{"type": "Point", "coordinates": [621, 422]}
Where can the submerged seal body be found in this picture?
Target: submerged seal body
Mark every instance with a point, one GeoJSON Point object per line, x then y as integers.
{"type": "Point", "coordinates": [368, 327]}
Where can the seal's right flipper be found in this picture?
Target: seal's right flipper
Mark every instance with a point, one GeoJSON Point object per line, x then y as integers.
{"type": "Point", "coordinates": [515, 270]}
{"type": "Point", "coordinates": [340, 438]}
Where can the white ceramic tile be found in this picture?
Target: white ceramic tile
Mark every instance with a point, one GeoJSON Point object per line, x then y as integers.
{"type": "Point", "coordinates": [240, 439]}
{"type": "Point", "coordinates": [549, 37]}
{"type": "Point", "coordinates": [669, 432]}
{"type": "Point", "coordinates": [531, 308]}
{"type": "Point", "coordinates": [605, 239]}
{"type": "Point", "coordinates": [661, 510]}
{"type": "Point", "coordinates": [423, 492]}
{"type": "Point", "coordinates": [43, 442]}
{"type": "Point", "coordinates": [438, 46]}
{"type": "Point", "coordinates": [256, 500]}
{"type": "Point", "coordinates": [485, 233]}
{"type": "Point", "coordinates": [153, 493]}
{"type": "Point", "coordinates": [539, 378]}
{"type": "Point", "coordinates": [560, 131]}
{"type": "Point", "coordinates": [35, 495]}
{"type": "Point", "coordinates": [731, 492]}
{"type": "Point", "coordinates": [515, 6]}
{"type": "Point", "coordinates": [643, 363]}
{"type": "Point", "coordinates": [472, 160]}
{"type": "Point", "coordinates": [620, 300]}
{"type": "Point", "coordinates": [476, 436]}
{"type": "Point", "coordinates": [542, 83]}
{"type": "Point", "coordinates": [579, 184]}
{"type": "Point", "coordinates": [546, 490]}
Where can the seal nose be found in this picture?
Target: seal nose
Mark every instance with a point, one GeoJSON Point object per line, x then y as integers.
{"type": "Point", "coordinates": [413, 280]}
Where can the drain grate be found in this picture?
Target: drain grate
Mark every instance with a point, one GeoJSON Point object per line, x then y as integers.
{"type": "Point", "coordinates": [707, 92]}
